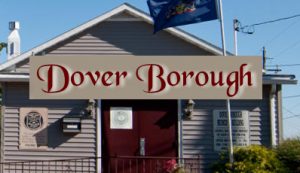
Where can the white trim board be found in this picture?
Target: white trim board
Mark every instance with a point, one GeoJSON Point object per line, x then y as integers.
{"type": "Point", "coordinates": [99, 136]}
{"type": "Point", "coordinates": [14, 78]}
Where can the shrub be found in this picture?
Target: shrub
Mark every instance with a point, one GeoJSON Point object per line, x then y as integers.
{"type": "Point", "coordinates": [250, 159]}
{"type": "Point", "coordinates": [171, 166]}
{"type": "Point", "coordinates": [289, 153]}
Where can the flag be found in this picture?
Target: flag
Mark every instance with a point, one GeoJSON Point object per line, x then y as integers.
{"type": "Point", "coordinates": [169, 13]}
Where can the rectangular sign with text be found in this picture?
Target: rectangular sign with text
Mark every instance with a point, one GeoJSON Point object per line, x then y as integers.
{"type": "Point", "coordinates": [145, 77]}
{"type": "Point", "coordinates": [240, 129]}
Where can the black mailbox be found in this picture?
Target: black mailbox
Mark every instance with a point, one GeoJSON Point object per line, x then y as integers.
{"type": "Point", "coordinates": [71, 124]}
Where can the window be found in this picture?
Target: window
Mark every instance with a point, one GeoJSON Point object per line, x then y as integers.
{"type": "Point", "coordinates": [12, 48]}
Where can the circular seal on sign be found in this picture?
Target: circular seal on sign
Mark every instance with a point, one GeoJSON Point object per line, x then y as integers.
{"type": "Point", "coordinates": [33, 120]}
{"type": "Point", "coordinates": [121, 118]}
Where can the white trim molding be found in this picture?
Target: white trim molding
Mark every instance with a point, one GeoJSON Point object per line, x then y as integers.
{"type": "Point", "coordinates": [279, 79]}
{"type": "Point", "coordinates": [14, 77]}
{"type": "Point", "coordinates": [273, 115]}
{"type": "Point", "coordinates": [99, 136]}
{"type": "Point", "coordinates": [179, 115]}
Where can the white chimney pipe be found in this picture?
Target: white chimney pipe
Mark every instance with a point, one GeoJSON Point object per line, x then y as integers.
{"type": "Point", "coordinates": [14, 41]}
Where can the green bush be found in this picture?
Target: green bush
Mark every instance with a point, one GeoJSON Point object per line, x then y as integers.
{"type": "Point", "coordinates": [256, 159]}
{"type": "Point", "coordinates": [289, 153]}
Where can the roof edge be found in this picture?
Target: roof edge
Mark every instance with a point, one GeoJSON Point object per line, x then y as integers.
{"type": "Point", "coordinates": [279, 79]}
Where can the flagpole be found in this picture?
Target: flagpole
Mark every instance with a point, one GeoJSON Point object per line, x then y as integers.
{"type": "Point", "coordinates": [230, 147]}
{"type": "Point", "coordinates": [235, 30]}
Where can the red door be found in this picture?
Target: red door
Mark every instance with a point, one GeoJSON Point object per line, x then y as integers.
{"type": "Point", "coordinates": [151, 131]}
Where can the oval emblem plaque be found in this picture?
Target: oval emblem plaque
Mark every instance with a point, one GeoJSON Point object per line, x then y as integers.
{"type": "Point", "coordinates": [33, 120]}
{"type": "Point", "coordinates": [121, 118]}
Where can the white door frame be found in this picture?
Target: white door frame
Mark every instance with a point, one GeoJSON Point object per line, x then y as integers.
{"type": "Point", "coordinates": [99, 136]}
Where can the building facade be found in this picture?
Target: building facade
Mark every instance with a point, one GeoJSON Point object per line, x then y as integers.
{"type": "Point", "coordinates": [158, 128]}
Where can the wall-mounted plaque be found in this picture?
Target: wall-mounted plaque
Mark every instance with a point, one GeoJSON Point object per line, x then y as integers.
{"type": "Point", "coordinates": [240, 129]}
{"type": "Point", "coordinates": [33, 132]}
{"type": "Point", "coordinates": [121, 118]}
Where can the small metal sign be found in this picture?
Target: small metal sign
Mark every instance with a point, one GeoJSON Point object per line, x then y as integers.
{"type": "Point", "coordinates": [33, 128]}
{"type": "Point", "coordinates": [121, 118]}
{"type": "Point", "coordinates": [240, 129]}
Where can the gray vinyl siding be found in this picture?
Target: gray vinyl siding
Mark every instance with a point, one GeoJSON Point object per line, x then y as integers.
{"type": "Point", "coordinates": [124, 15]}
{"type": "Point", "coordinates": [198, 132]}
{"type": "Point", "coordinates": [135, 38]}
{"type": "Point", "coordinates": [60, 146]}
{"type": "Point", "coordinates": [120, 38]}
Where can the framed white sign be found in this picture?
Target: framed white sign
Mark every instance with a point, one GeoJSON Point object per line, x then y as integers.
{"type": "Point", "coordinates": [240, 129]}
{"type": "Point", "coordinates": [121, 117]}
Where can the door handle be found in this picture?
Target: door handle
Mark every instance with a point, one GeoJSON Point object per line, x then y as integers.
{"type": "Point", "coordinates": [142, 146]}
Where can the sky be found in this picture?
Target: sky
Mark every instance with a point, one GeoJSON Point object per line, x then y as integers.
{"type": "Point", "coordinates": [42, 20]}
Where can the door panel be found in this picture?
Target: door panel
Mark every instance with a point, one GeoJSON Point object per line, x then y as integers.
{"type": "Point", "coordinates": [155, 121]}
{"type": "Point", "coordinates": [158, 124]}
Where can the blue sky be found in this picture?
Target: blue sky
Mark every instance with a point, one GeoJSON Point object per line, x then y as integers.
{"type": "Point", "coordinates": [42, 20]}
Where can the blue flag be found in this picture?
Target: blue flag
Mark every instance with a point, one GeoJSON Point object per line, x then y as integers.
{"type": "Point", "coordinates": [169, 13]}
